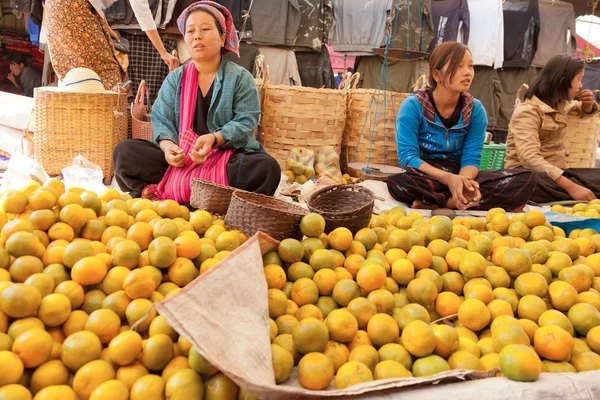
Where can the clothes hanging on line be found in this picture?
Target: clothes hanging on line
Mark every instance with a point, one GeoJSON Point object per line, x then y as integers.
{"type": "Point", "coordinates": [487, 19]}
{"type": "Point", "coordinates": [522, 17]}
{"type": "Point", "coordinates": [450, 17]}
{"type": "Point", "coordinates": [283, 66]}
{"type": "Point", "coordinates": [557, 31]}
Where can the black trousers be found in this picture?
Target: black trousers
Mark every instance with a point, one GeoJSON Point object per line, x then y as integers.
{"type": "Point", "coordinates": [547, 191]}
{"type": "Point", "coordinates": [139, 163]}
{"type": "Point", "coordinates": [509, 188]}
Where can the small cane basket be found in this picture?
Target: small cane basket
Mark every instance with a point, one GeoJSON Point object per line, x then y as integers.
{"type": "Point", "coordinates": [211, 197]}
{"type": "Point", "coordinates": [348, 206]}
{"type": "Point", "coordinates": [253, 212]}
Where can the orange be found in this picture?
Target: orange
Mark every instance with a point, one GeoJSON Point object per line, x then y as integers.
{"type": "Point", "coordinates": [11, 368]}
{"type": "Point", "coordinates": [593, 339]}
{"type": "Point", "coordinates": [474, 314]}
{"type": "Point", "coordinates": [125, 347]}
{"type": "Point", "coordinates": [76, 251]}
{"type": "Point", "coordinates": [586, 361]}
{"type": "Point", "coordinates": [146, 387]}
{"type": "Point", "coordinates": [395, 352]}
{"type": "Point", "coordinates": [325, 279]}
{"type": "Point", "coordinates": [503, 335]}
{"type": "Point", "coordinates": [520, 363]}
{"type": "Point", "coordinates": [80, 348]}
{"type": "Point", "coordinates": [73, 290]}
{"type": "Point", "coordinates": [175, 365]}
{"type": "Point", "coordinates": [420, 257]}
{"type": "Point", "coordinates": [157, 352]}
{"type": "Point", "coordinates": [371, 277]}
{"type": "Point", "coordinates": [454, 256]}
{"type": "Point", "coordinates": [162, 252]}
{"type": "Point", "coordinates": [531, 283]}
{"type": "Point", "coordinates": [304, 291]}
{"type": "Point", "coordinates": [584, 317]}
{"type": "Point", "coordinates": [562, 295]}
{"type": "Point", "coordinates": [531, 307]}
{"type": "Point", "coordinates": [315, 371]}
{"type": "Point", "coordinates": [89, 271]}
{"type": "Point", "coordinates": [33, 347]}
{"type": "Point", "coordinates": [54, 309]}
{"type": "Point", "coordinates": [277, 303]}
{"type": "Point", "coordinates": [104, 323]}
{"type": "Point", "coordinates": [24, 267]}
{"type": "Point", "coordinates": [421, 291]}
{"type": "Point", "coordinates": [576, 277]}
{"type": "Point", "coordinates": [553, 343]}
{"type": "Point", "coordinates": [383, 300]}
{"type": "Point", "coordinates": [340, 239]}
{"type": "Point", "coordinates": [181, 272]}
{"type": "Point", "coordinates": [516, 262]}
{"type": "Point", "coordinates": [352, 373]}
{"type": "Point", "coordinates": [74, 215]}
{"type": "Point", "coordinates": [557, 318]}
{"type": "Point", "coordinates": [310, 335]}
{"type": "Point", "coordinates": [140, 310]}
{"type": "Point", "coordinates": [20, 300]}
{"type": "Point", "coordinates": [365, 354]}
{"type": "Point", "coordinates": [418, 338]}
{"type": "Point", "coordinates": [283, 363]}
{"type": "Point", "coordinates": [382, 329]}
{"type": "Point", "coordinates": [342, 325]}
{"type": "Point", "coordinates": [90, 376]}
{"type": "Point", "coordinates": [51, 373]}
{"type": "Point", "coordinates": [345, 291]}
{"type": "Point", "coordinates": [447, 340]}
{"type": "Point", "coordinates": [430, 365]}
{"type": "Point", "coordinates": [362, 310]}
{"type": "Point", "coordinates": [447, 303]}
{"type": "Point", "coordinates": [22, 244]}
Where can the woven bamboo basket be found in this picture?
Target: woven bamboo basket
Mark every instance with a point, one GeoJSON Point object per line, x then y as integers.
{"type": "Point", "coordinates": [581, 141]}
{"type": "Point", "coordinates": [349, 206]}
{"type": "Point", "coordinates": [295, 116]}
{"type": "Point", "coordinates": [252, 212]}
{"type": "Point", "coordinates": [68, 124]}
{"type": "Point", "coordinates": [370, 132]}
{"type": "Point", "coordinates": [210, 196]}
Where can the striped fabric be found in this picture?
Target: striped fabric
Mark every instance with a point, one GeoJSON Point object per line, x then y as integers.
{"type": "Point", "coordinates": [177, 182]}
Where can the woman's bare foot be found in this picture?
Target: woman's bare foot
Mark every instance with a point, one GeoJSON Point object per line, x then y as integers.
{"type": "Point", "coordinates": [419, 205]}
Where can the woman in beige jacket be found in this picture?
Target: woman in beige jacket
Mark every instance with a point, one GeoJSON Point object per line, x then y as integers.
{"type": "Point", "coordinates": [537, 131]}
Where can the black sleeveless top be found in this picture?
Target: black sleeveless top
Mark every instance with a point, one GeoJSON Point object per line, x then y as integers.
{"type": "Point", "coordinates": [201, 114]}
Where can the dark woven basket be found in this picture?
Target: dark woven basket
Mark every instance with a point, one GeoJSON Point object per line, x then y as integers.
{"type": "Point", "coordinates": [348, 206]}
{"type": "Point", "coordinates": [210, 196]}
{"type": "Point", "coordinates": [253, 212]}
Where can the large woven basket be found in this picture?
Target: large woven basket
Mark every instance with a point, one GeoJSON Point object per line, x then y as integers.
{"type": "Point", "coordinates": [252, 212]}
{"type": "Point", "coordinates": [294, 116]}
{"type": "Point", "coordinates": [210, 196]}
{"type": "Point", "coordinates": [348, 206]}
{"type": "Point", "coordinates": [68, 124]}
{"type": "Point", "coordinates": [370, 132]}
{"type": "Point", "coordinates": [581, 141]}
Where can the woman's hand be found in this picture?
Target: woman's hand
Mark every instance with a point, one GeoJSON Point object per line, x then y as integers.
{"type": "Point", "coordinates": [578, 192]}
{"type": "Point", "coordinates": [113, 34]}
{"type": "Point", "coordinates": [202, 148]}
{"type": "Point", "coordinates": [171, 61]}
{"type": "Point", "coordinates": [11, 77]}
{"type": "Point", "coordinates": [465, 191]}
{"type": "Point", "coordinates": [175, 156]}
{"type": "Point", "coordinates": [587, 101]}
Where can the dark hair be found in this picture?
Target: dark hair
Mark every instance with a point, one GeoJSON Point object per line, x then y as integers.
{"type": "Point", "coordinates": [206, 12]}
{"type": "Point", "coordinates": [350, 69]}
{"type": "Point", "coordinates": [553, 83]}
{"type": "Point", "coordinates": [17, 59]}
{"type": "Point", "coordinates": [448, 53]}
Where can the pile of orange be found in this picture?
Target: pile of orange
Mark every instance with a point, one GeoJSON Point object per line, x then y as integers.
{"type": "Point", "coordinates": [78, 276]}
{"type": "Point", "coordinates": [414, 297]}
{"type": "Point", "coordinates": [407, 296]}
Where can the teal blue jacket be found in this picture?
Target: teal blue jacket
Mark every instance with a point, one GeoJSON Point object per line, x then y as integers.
{"type": "Point", "coordinates": [234, 108]}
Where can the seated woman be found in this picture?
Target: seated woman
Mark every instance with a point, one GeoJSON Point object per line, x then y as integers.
{"type": "Point", "coordinates": [203, 120]}
{"type": "Point", "coordinates": [440, 133]}
{"type": "Point", "coordinates": [23, 76]}
{"type": "Point", "coordinates": [537, 132]}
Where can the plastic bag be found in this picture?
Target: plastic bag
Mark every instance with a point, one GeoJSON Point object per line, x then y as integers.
{"type": "Point", "coordinates": [23, 169]}
{"type": "Point", "coordinates": [328, 164]}
{"type": "Point", "coordinates": [84, 174]}
{"type": "Point", "coordinates": [299, 167]}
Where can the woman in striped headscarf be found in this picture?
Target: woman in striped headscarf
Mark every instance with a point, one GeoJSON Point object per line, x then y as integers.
{"type": "Point", "coordinates": [203, 120]}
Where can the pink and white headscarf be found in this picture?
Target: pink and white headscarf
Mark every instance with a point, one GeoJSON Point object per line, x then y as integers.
{"type": "Point", "coordinates": [223, 17]}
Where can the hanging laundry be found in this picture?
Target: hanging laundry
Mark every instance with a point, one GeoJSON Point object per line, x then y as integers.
{"type": "Point", "coordinates": [315, 69]}
{"type": "Point", "coordinates": [520, 41]}
{"type": "Point", "coordinates": [276, 22]}
{"type": "Point", "coordinates": [487, 46]}
{"type": "Point", "coordinates": [400, 77]}
{"type": "Point", "coordinates": [283, 66]}
{"type": "Point", "coordinates": [557, 31]}
{"type": "Point", "coordinates": [359, 26]}
{"type": "Point", "coordinates": [414, 29]}
{"type": "Point", "coordinates": [450, 17]}
{"type": "Point", "coordinates": [34, 32]}
{"type": "Point", "coordinates": [247, 58]}
{"type": "Point", "coordinates": [316, 19]}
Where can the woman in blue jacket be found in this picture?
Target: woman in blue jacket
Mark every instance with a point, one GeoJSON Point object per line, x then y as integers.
{"type": "Point", "coordinates": [440, 133]}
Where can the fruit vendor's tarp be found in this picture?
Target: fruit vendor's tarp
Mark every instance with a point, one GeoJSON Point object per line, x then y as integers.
{"type": "Point", "coordinates": [224, 313]}
{"type": "Point", "coordinates": [569, 223]}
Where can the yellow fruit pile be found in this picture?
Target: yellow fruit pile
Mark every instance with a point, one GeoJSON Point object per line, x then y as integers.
{"type": "Point", "coordinates": [328, 164]}
{"type": "Point", "coordinates": [588, 210]}
{"type": "Point", "coordinates": [77, 272]}
{"type": "Point", "coordinates": [414, 297]}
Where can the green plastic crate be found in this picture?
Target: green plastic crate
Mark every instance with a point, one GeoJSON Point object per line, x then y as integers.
{"type": "Point", "coordinates": [492, 158]}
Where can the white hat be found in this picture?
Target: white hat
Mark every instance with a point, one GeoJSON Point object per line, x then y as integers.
{"type": "Point", "coordinates": [82, 80]}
